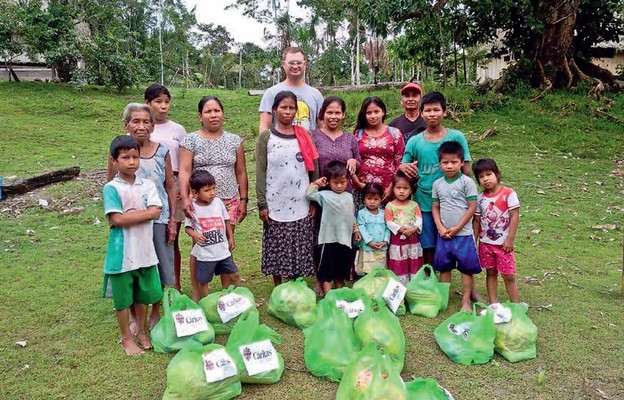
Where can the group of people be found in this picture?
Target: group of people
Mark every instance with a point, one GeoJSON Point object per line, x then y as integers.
{"type": "Point", "coordinates": [334, 204]}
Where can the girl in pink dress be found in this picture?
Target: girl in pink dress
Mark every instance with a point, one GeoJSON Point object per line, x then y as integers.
{"type": "Point", "coordinates": [404, 219]}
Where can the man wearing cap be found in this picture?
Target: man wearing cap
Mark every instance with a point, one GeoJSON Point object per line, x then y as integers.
{"type": "Point", "coordinates": [411, 122]}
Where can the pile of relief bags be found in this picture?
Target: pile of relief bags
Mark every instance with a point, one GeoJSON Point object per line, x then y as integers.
{"type": "Point", "coordinates": [352, 336]}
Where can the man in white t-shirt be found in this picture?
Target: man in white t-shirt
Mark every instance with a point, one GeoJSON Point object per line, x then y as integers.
{"type": "Point", "coordinates": [309, 99]}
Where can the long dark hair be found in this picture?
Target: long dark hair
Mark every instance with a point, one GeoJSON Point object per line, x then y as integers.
{"type": "Point", "coordinates": [205, 100]}
{"type": "Point", "coordinates": [284, 94]}
{"type": "Point", "coordinates": [361, 119]}
{"type": "Point", "coordinates": [330, 100]}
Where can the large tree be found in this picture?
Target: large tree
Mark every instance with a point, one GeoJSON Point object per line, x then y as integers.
{"type": "Point", "coordinates": [545, 34]}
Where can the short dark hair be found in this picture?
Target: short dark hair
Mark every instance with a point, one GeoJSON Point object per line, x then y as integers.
{"type": "Point", "coordinates": [284, 94]}
{"type": "Point", "coordinates": [122, 143]}
{"type": "Point", "coordinates": [432, 98]}
{"type": "Point", "coordinates": [330, 100]}
{"type": "Point", "coordinates": [336, 169]}
{"type": "Point", "coordinates": [361, 119]}
{"type": "Point", "coordinates": [206, 99]}
{"type": "Point", "coordinates": [373, 188]}
{"type": "Point", "coordinates": [154, 90]}
{"type": "Point", "coordinates": [199, 179]}
{"type": "Point", "coordinates": [486, 164]}
{"type": "Point", "coordinates": [451, 147]}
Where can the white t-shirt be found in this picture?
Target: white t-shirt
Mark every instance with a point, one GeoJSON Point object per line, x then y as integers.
{"type": "Point", "coordinates": [494, 212]}
{"type": "Point", "coordinates": [210, 221]}
{"type": "Point", "coordinates": [286, 179]}
{"type": "Point", "coordinates": [170, 134]}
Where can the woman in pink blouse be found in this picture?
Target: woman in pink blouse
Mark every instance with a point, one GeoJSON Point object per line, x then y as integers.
{"type": "Point", "coordinates": [381, 148]}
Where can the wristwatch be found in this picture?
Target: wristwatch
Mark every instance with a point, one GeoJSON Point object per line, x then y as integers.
{"type": "Point", "coordinates": [245, 199]}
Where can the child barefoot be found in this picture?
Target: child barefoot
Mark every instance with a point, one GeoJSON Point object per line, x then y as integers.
{"type": "Point", "coordinates": [373, 234]}
{"type": "Point", "coordinates": [403, 218]}
{"type": "Point", "coordinates": [337, 223]}
{"type": "Point", "coordinates": [131, 205]}
{"type": "Point", "coordinates": [212, 232]}
{"type": "Point", "coordinates": [495, 226]}
{"type": "Point", "coordinates": [454, 203]}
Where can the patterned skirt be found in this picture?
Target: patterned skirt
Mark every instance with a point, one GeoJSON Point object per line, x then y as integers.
{"type": "Point", "coordinates": [405, 256]}
{"type": "Point", "coordinates": [287, 248]}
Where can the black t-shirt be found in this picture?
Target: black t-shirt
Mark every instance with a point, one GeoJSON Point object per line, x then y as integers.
{"type": "Point", "coordinates": [407, 127]}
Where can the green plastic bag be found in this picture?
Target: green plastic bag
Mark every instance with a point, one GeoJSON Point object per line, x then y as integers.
{"type": "Point", "coordinates": [330, 344]}
{"type": "Point", "coordinates": [164, 335]}
{"type": "Point", "coordinates": [248, 331]}
{"type": "Point", "coordinates": [426, 389]}
{"type": "Point", "coordinates": [187, 378]}
{"type": "Point", "coordinates": [377, 324]}
{"type": "Point", "coordinates": [293, 303]}
{"type": "Point", "coordinates": [425, 295]}
{"type": "Point", "coordinates": [515, 340]}
{"type": "Point", "coordinates": [371, 376]}
{"type": "Point", "coordinates": [374, 283]}
{"type": "Point", "coordinates": [468, 338]}
{"type": "Point", "coordinates": [239, 299]}
{"type": "Point", "coordinates": [352, 301]}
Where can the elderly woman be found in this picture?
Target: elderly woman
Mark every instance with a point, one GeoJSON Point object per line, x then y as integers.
{"type": "Point", "coordinates": [222, 154]}
{"type": "Point", "coordinates": [155, 165]}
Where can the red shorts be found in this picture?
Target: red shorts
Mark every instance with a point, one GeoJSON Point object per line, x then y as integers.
{"type": "Point", "coordinates": [493, 256]}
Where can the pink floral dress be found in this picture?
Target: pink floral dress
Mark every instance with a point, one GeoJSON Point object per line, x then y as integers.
{"type": "Point", "coordinates": [381, 156]}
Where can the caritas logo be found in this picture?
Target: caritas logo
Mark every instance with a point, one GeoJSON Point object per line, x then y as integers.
{"type": "Point", "coordinates": [209, 365]}
{"type": "Point", "coordinates": [179, 318]}
{"type": "Point", "coordinates": [221, 305]}
{"type": "Point", "coordinates": [247, 353]}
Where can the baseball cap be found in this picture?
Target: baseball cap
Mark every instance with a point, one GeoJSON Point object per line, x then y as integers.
{"type": "Point", "coordinates": [412, 86]}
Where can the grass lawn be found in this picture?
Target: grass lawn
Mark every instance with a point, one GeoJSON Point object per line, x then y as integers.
{"type": "Point", "coordinates": [559, 157]}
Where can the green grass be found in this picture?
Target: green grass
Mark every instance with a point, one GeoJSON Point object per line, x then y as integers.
{"type": "Point", "coordinates": [556, 154]}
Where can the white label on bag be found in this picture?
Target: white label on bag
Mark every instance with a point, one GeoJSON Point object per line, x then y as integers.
{"type": "Point", "coordinates": [502, 314]}
{"type": "Point", "coordinates": [259, 357]}
{"type": "Point", "coordinates": [231, 306]}
{"type": "Point", "coordinates": [218, 365]}
{"type": "Point", "coordinates": [394, 294]}
{"type": "Point", "coordinates": [189, 322]}
{"type": "Point", "coordinates": [460, 330]}
{"type": "Point", "coordinates": [353, 309]}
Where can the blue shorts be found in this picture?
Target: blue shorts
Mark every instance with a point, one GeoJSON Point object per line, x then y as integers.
{"type": "Point", "coordinates": [205, 270]}
{"type": "Point", "coordinates": [457, 252]}
{"type": "Point", "coordinates": [429, 232]}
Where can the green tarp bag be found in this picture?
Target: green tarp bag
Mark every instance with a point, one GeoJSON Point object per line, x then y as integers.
{"type": "Point", "coordinates": [249, 341]}
{"type": "Point", "coordinates": [377, 324]}
{"type": "Point", "coordinates": [330, 344]}
{"type": "Point", "coordinates": [425, 295]}
{"type": "Point", "coordinates": [352, 301]}
{"type": "Point", "coordinates": [515, 340]}
{"type": "Point", "coordinates": [293, 303]}
{"type": "Point", "coordinates": [374, 283]}
{"type": "Point", "coordinates": [371, 376]}
{"type": "Point", "coordinates": [223, 308]}
{"type": "Point", "coordinates": [467, 338]}
{"type": "Point", "coordinates": [164, 335]}
{"type": "Point", "coordinates": [426, 389]}
{"type": "Point", "coordinates": [201, 372]}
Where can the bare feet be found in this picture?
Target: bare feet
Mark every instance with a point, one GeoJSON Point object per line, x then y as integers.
{"type": "Point", "coordinates": [154, 318]}
{"type": "Point", "coordinates": [467, 307]}
{"type": "Point", "coordinates": [144, 341]}
{"type": "Point", "coordinates": [133, 326]}
{"type": "Point", "coordinates": [131, 348]}
{"type": "Point", "coordinates": [476, 297]}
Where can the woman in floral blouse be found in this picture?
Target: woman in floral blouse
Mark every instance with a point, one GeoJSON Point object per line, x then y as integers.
{"type": "Point", "coordinates": [381, 148]}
